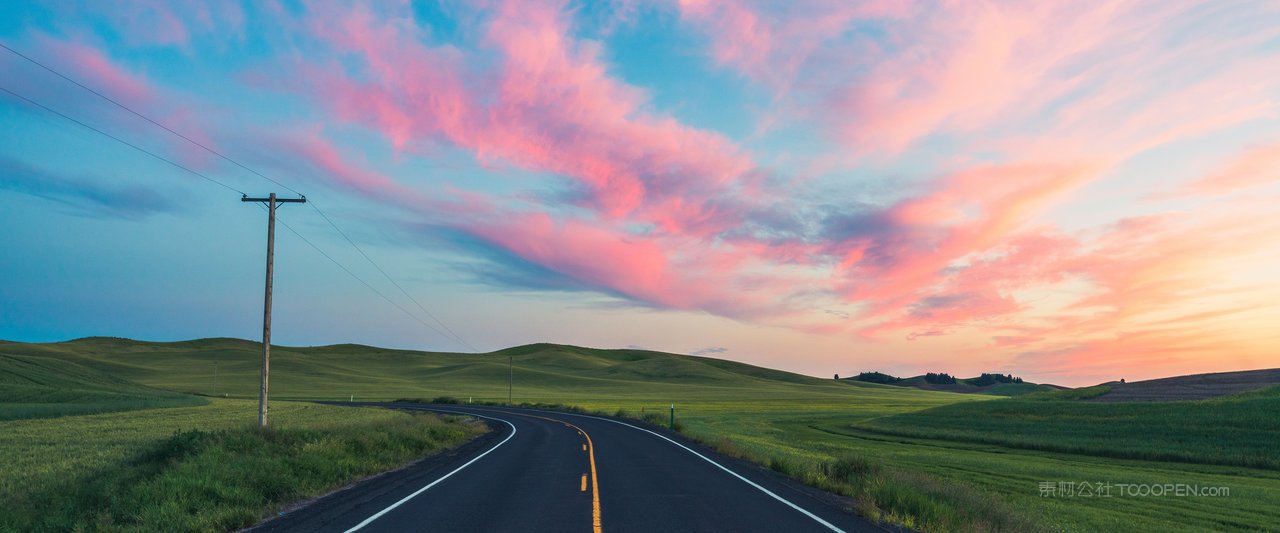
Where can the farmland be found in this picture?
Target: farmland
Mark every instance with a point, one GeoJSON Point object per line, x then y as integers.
{"type": "Point", "coordinates": [88, 449]}
{"type": "Point", "coordinates": [933, 461]}
{"type": "Point", "coordinates": [1001, 477]}
{"type": "Point", "coordinates": [1237, 430]}
{"type": "Point", "coordinates": [35, 386]}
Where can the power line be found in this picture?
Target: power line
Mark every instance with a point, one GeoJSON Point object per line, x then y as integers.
{"type": "Point", "coordinates": [119, 140]}
{"type": "Point", "coordinates": [450, 335]}
{"type": "Point", "coordinates": [146, 118]}
{"type": "Point", "coordinates": [353, 275]}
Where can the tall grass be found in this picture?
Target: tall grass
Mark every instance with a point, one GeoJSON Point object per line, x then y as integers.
{"type": "Point", "coordinates": [227, 478]}
{"type": "Point", "coordinates": [894, 496]}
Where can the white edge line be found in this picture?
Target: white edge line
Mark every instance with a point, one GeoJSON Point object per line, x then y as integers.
{"type": "Point", "coordinates": [816, 518]}
{"type": "Point", "coordinates": [369, 520]}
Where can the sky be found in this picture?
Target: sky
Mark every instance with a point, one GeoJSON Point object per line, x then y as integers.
{"type": "Point", "coordinates": [1073, 192]}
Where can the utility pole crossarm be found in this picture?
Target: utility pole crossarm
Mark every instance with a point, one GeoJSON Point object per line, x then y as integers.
{"type": "Point", "coordinates": [301, 200]}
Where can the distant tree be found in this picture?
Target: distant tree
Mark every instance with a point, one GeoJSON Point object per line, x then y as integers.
{"type": "Point", "coordinates": [837, 376]}
{"type": "Point", "coordinates": [877, 377]}
{"type": "Point", "coordinates": [940, 378]}
{"type": "Point", "coordinates": [991, 379]}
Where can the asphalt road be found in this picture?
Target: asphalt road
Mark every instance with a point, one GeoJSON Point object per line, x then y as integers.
{"type": "Point", "coordinates": [551, 471]}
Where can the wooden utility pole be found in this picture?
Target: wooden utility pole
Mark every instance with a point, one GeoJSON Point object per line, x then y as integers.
{"type": "Point", "coordinates": [271, 202]}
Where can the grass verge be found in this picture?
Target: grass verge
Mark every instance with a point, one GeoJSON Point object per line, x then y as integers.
{"type": "Point", "coordinates": [890, 495]}
{"type": "Point", "coordinates": [204, 474]}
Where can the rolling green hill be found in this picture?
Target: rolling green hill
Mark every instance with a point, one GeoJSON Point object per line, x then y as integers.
{"type": "Point", "coordinates": [36, 386]}
{"type": "Point", "coordinates": [540, 372]}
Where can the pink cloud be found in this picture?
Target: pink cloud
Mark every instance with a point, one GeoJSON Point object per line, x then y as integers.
{"type": "Point", "coordinates": [981, 292]}
{"type": "Point", "coordinates": [1259, 165]}
{"type": "Point", "coordinates": [309, 152]}
{"type": "Point", "coordinates": [959, 68]}
{"type": "Point", "coordinates": [973, 212]}
{"type": "Point", "coordinates": [772, 42]}
{"type": "Point", "coordinates": [646, 270]}
{"type": "Point", "coordinates": [91, 66]}
{"type": "Point", "coordinates": [966, 66]}
{"type": "Point", "coordinates": [968, 274]}
{"type": "Point", "coordinates": [552, 107]}
{"type": "Point", "coordinates": [558, 109]}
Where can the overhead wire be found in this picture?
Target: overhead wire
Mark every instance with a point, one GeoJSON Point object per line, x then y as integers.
{"type": "Point", "coordinates": [450, 333]}
{"type": "Point", "coordinates": [146, 118]}
{"type": "Point", "coordinates": [353, 274]}
{"type": "Point", "coordinates": [117, 139]}
{"type": "Point", "coordinates": [424, 310]}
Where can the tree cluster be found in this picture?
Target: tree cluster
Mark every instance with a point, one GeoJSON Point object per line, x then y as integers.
{"type": "Point", "coordinates": [877, 377]}
{"type": "Point", "coordinates": [991, 379]}
{"type": "Point", "coordinates": [940, 378]}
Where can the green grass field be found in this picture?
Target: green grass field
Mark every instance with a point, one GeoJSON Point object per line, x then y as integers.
{"type": "Point", "coordinates": [1239, 430]}
{"type": "Point", "coordinates": [35, 386]}
{"type": "Point", "coordinates": [933, 461]}
{"type": "Point", "coordinates": [809, 441]}
{"type": "Point", "coordinates": [202, 468]}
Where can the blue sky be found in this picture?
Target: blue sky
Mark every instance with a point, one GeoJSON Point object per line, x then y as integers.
{"type": "Point", "coordinates": [1071, 194]}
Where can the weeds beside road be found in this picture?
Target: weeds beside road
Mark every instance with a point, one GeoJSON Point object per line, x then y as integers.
{"type": "Point", "coordinates": [202, 468]}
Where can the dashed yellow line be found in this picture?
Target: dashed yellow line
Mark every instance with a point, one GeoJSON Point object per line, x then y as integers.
{"type": "Point", "coordinates": [591, 455]}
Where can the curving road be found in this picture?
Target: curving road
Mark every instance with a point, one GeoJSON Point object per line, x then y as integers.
{"type": "Point", "coordinates": [551, 471]}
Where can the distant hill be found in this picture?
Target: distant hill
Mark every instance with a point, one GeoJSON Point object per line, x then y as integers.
{"type": "Point", "coordinates": [1193, 387]}
{"type": "Point", "coordinates": [992, 384]}
{"type": "Point", "coordinates": [542, 372]}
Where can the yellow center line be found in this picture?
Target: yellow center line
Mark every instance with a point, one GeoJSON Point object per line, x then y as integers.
{"type": "Point", "coordinates": [584, 483]}
{"type": "Point", "coordinates": [591, 455]}
{"type": "Point", "coordinates": [595, 486]}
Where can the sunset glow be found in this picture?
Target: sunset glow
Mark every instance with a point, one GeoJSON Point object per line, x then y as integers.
{"type": "Point", "coordinates": [1070, 192]}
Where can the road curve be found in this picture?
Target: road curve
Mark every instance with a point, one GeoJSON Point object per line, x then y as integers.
{"type": "Point", "coordinates": [553, 471]}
